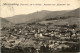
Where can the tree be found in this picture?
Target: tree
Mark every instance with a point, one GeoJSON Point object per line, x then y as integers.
{"type": "Point", "coordinates": [74, 26]}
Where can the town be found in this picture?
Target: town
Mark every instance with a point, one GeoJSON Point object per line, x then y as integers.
{"type": "Point", "coordinates": [40, 38]}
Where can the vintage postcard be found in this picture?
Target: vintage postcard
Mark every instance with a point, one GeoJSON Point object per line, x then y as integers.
{"type": "Point", "coordinates": [40, 26]}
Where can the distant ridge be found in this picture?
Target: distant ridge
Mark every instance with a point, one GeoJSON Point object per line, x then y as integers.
{"type": "Point", "coordinates": [42, 15]}
{"type": "Point", "coordinates": [5, 23]}
{"type": "Point", "coordinates": [27, 18]}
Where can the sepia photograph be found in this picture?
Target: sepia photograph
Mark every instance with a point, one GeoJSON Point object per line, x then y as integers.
{"type": "Point", "coordinates": [40, 26]}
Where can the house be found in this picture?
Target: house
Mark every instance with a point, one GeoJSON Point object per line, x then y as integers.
{"type": "Point", "coordinates": [39, 35]}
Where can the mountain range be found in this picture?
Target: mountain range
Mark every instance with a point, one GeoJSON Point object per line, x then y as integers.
{"type": "Point", "coordinates": [44, 16]}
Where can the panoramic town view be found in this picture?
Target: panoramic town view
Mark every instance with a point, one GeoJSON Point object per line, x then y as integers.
{"type": "Point", "coordinates": [41, 32]}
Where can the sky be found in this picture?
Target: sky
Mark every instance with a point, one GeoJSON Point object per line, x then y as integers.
{"type": "Point", "coordinates": [11, 8]}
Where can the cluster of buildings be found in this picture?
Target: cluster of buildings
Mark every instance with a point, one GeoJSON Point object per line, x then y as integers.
{"type": "Point", "coordinates": [19, 34]}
